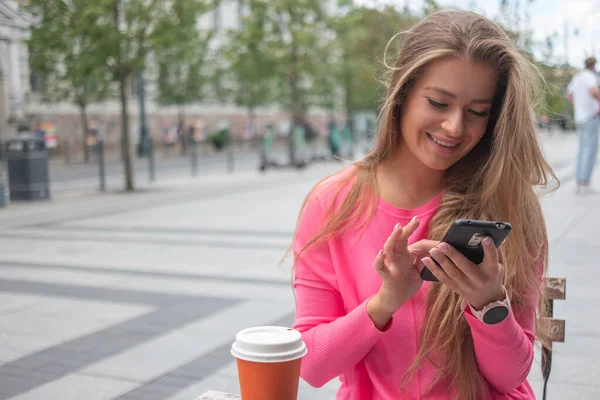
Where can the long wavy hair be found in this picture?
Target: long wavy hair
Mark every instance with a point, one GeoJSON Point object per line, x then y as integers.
{"type": "Point", "coordinates": [497, 180]}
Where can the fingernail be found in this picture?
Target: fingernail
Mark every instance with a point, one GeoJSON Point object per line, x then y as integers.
{"type": "Point", "coordinates": [434, 252]}
{"type": "Point", "coordinates": [397, 226]}
{"type": "Point", "coordinates": [487, 241]}
{"type": "Point", "coordinates": [443, 247]}
{"type": "Point", "coordinates": [425, 260]}
{"type": "Point", "coordinates": [415, 219]}
{"type": "Point", "coordinates": [380, 253]}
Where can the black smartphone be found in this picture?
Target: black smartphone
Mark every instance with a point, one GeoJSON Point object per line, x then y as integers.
{"type": "Point", "coordinates": [465, 235]}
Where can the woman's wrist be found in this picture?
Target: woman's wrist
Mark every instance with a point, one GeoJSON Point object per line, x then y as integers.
{"type": "Point", "coordinates": [379, 312]}
{"type": "Point", "coordinates": [496, 295]}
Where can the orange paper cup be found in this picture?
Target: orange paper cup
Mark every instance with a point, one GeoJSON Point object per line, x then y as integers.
{"type": "Point", "coordinates": [268, 361]}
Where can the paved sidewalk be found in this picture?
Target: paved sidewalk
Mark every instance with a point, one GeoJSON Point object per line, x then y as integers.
{"type": "Point", "coordinates": [118, 296]}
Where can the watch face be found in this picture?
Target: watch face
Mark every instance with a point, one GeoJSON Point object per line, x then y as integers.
{"type": "Point", "coordinates": [495, 315]}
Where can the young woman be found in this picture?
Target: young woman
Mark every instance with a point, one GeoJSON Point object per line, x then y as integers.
{"type": "Point", "coordinates": [456, 140]}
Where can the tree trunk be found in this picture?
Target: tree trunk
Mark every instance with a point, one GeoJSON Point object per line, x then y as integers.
{"type": "Point", "coordinates": [295, 102]}
{"type": "Point", "coordinates": [349, 113]}
{"type": "Point", "coordinates": [125, 141]}
{"type": "Point", "coordinates": [84, 131]}
{"type": "Point", "coordinates": [183, 132]}
{"type": "Point", "coordinates": [252, 117]}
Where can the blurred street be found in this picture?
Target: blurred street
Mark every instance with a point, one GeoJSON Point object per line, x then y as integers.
{"type": "Point", "coordinates": [77, 176]}
{"type": "Point", "coordinates": [139, 296]}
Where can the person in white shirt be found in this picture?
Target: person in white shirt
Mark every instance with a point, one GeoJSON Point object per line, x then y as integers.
{"type": "Point", "coordinates": [583, 93]}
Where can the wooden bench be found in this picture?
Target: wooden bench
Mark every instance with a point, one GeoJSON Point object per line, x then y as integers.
{"type": "Point", "coordinates": [551, 329]}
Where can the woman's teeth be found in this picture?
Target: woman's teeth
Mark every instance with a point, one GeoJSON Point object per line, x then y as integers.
{"type": "Point", "coordinates": [443, 143]}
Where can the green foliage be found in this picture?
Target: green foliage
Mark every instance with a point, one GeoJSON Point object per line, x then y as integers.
{"type": "Point", "coordinates": [553, 100]}
{"type": "Point", "coordinates": [288, 52]}
{"type": "Point", "coordinates": [362, 35]}
{"type": "Point", "coordinates": [430, 6]}
{"type": "Point", "coordinates": [220, 139]}
{"type": "Point", "coordinates": [63, 51]}
{"type": "Point", "coordinates": [125, 32]}
{"type": "Point", "coordinates": [292, 34]}
{"type": "Point", "coordinates": [300, 37]}
{"type": "Point", "coordinates": [556, 78]}
{"type": "Point", "coordinates": [181, 52]}
{"type": "Point", "coordinates": [249, 60]}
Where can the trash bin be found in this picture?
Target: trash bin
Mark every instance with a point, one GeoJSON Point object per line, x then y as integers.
{"type": "Point", "coordinates": [2, 181]}
{"type": "Point", "coordinates": [2, 195]}
{"type": "Point", "coordinates": [27, 161]}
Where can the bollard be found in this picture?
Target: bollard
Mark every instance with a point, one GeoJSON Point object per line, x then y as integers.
{"type": "Point", "coordinates": [101, 167]}
{"type": "Point", "coordinates": [151, 165]}
{"type": "Point", "coordinates": [67, 153]}
{"type": "Point", "coordinates": [299, 139]}
{"type": "Point", "coordinates": [194, 157]}
{"type": "Point", "coordinates": [230, 160]}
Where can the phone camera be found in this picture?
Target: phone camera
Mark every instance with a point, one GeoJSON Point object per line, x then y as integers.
{"type": "Point", "coordinates": [500, 226]}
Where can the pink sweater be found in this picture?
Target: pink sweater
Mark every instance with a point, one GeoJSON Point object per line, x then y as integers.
{"type": "Point", "coordinates": [333, 282]}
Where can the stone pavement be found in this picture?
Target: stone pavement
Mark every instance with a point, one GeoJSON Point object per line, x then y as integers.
{"type": "Point", "coordinates": [113, 296]}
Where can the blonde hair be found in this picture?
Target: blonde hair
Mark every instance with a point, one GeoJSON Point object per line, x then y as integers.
{"type": "Point", "coordinates": [495, 181]}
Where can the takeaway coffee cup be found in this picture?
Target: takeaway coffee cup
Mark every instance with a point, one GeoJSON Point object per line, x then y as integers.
{"type": "Point", "coordinates": [268, 361]}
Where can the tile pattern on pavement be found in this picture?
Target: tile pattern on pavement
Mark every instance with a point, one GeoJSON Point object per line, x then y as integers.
{"type": "Point", "coordinates": [139, 297]}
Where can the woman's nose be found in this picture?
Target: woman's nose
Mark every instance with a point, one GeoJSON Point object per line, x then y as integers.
{"type": "Point", "coordinates": [453, 124]}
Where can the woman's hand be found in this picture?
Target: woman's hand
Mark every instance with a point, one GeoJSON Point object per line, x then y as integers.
{"type": "Point", "coordinates": [400, 279]}
{"type": "Point", "coordinates": [421, 249]}
{"type": "Point", "coordinates": [478, 284]}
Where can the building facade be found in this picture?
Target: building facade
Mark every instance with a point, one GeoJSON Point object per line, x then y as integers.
{"type": "Point", "coordinates": [14, 68]}
{"type": "Point", "coordinates": [24, 98]}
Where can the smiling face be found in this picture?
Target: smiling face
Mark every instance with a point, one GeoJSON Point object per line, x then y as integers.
{"type": "Point", "coordinates": [446, 111]}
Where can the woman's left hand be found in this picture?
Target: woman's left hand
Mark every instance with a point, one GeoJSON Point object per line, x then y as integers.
{"type": "Point", "coordinates": [478, 284]}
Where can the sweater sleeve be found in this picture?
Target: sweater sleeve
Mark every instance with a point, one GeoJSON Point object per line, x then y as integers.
{"type": "Point", "coordinates": [504, 351]}
{"type": "Point", "coordinates": [337, 339]}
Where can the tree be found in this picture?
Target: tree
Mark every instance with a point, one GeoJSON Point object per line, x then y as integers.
{"type": "Point", "coordinates": [125, 33]}
{"type": "Point", "coordinates": [430, 6]}
{"type": "Point", "coordinates": [338, 76]}
{"type": "Point", "coordinates": [362, 35]}
{"type": "Point", "coordinates": [249, 61]}
{"type": "Point", "coordinates": [62, 50]}
{"type": "Point", "coordinates": [181, 51]}
{"type": "Point", "coordinates": [555, 77]}
{"type": "Point", "coordinates": [294, 31]}
{"type": "Point", "coordinates": [510, 18]}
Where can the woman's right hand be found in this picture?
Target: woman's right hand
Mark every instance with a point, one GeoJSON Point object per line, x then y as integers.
{"type": "Point", "coordinates": [400, 279]}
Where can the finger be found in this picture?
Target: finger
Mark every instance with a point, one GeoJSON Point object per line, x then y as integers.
{"type": "Point", "coordinates": [418, 265]}
{"type": "Point", "coordinates": [500, 256]}
{"type": "Point", "coordinates": [448, 266]}
{"type": "Point", "coordinates": [379, 263]}
{"type": "Point", "coordinates": [409, 229]}
{"type": "Point", "coordinates": [490, 252]}
{"type": "Point", "coordinates": [437, 272]}
{"type": "Point", "coordinates": [388, 247]}
{"type": "Point", "coordinates": [422, 247]}
{"type": "Point", "coordinates": [466, 266]}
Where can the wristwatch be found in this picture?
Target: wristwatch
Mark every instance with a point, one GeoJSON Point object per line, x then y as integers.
{"type": "Point", "coordinates": [493, 312]}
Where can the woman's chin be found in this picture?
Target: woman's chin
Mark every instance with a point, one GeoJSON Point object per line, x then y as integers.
{"type": "Point", "coordinates": [437, 165]}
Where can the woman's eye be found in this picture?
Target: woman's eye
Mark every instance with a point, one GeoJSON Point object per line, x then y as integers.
{"type": "Point", "coordinates": [479, 113]}
{"type": "Point", "coordinates": [436, 104]}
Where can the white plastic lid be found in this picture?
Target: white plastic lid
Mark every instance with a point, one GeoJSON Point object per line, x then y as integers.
{"type": "Point", "coordinates": [268, 344]}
